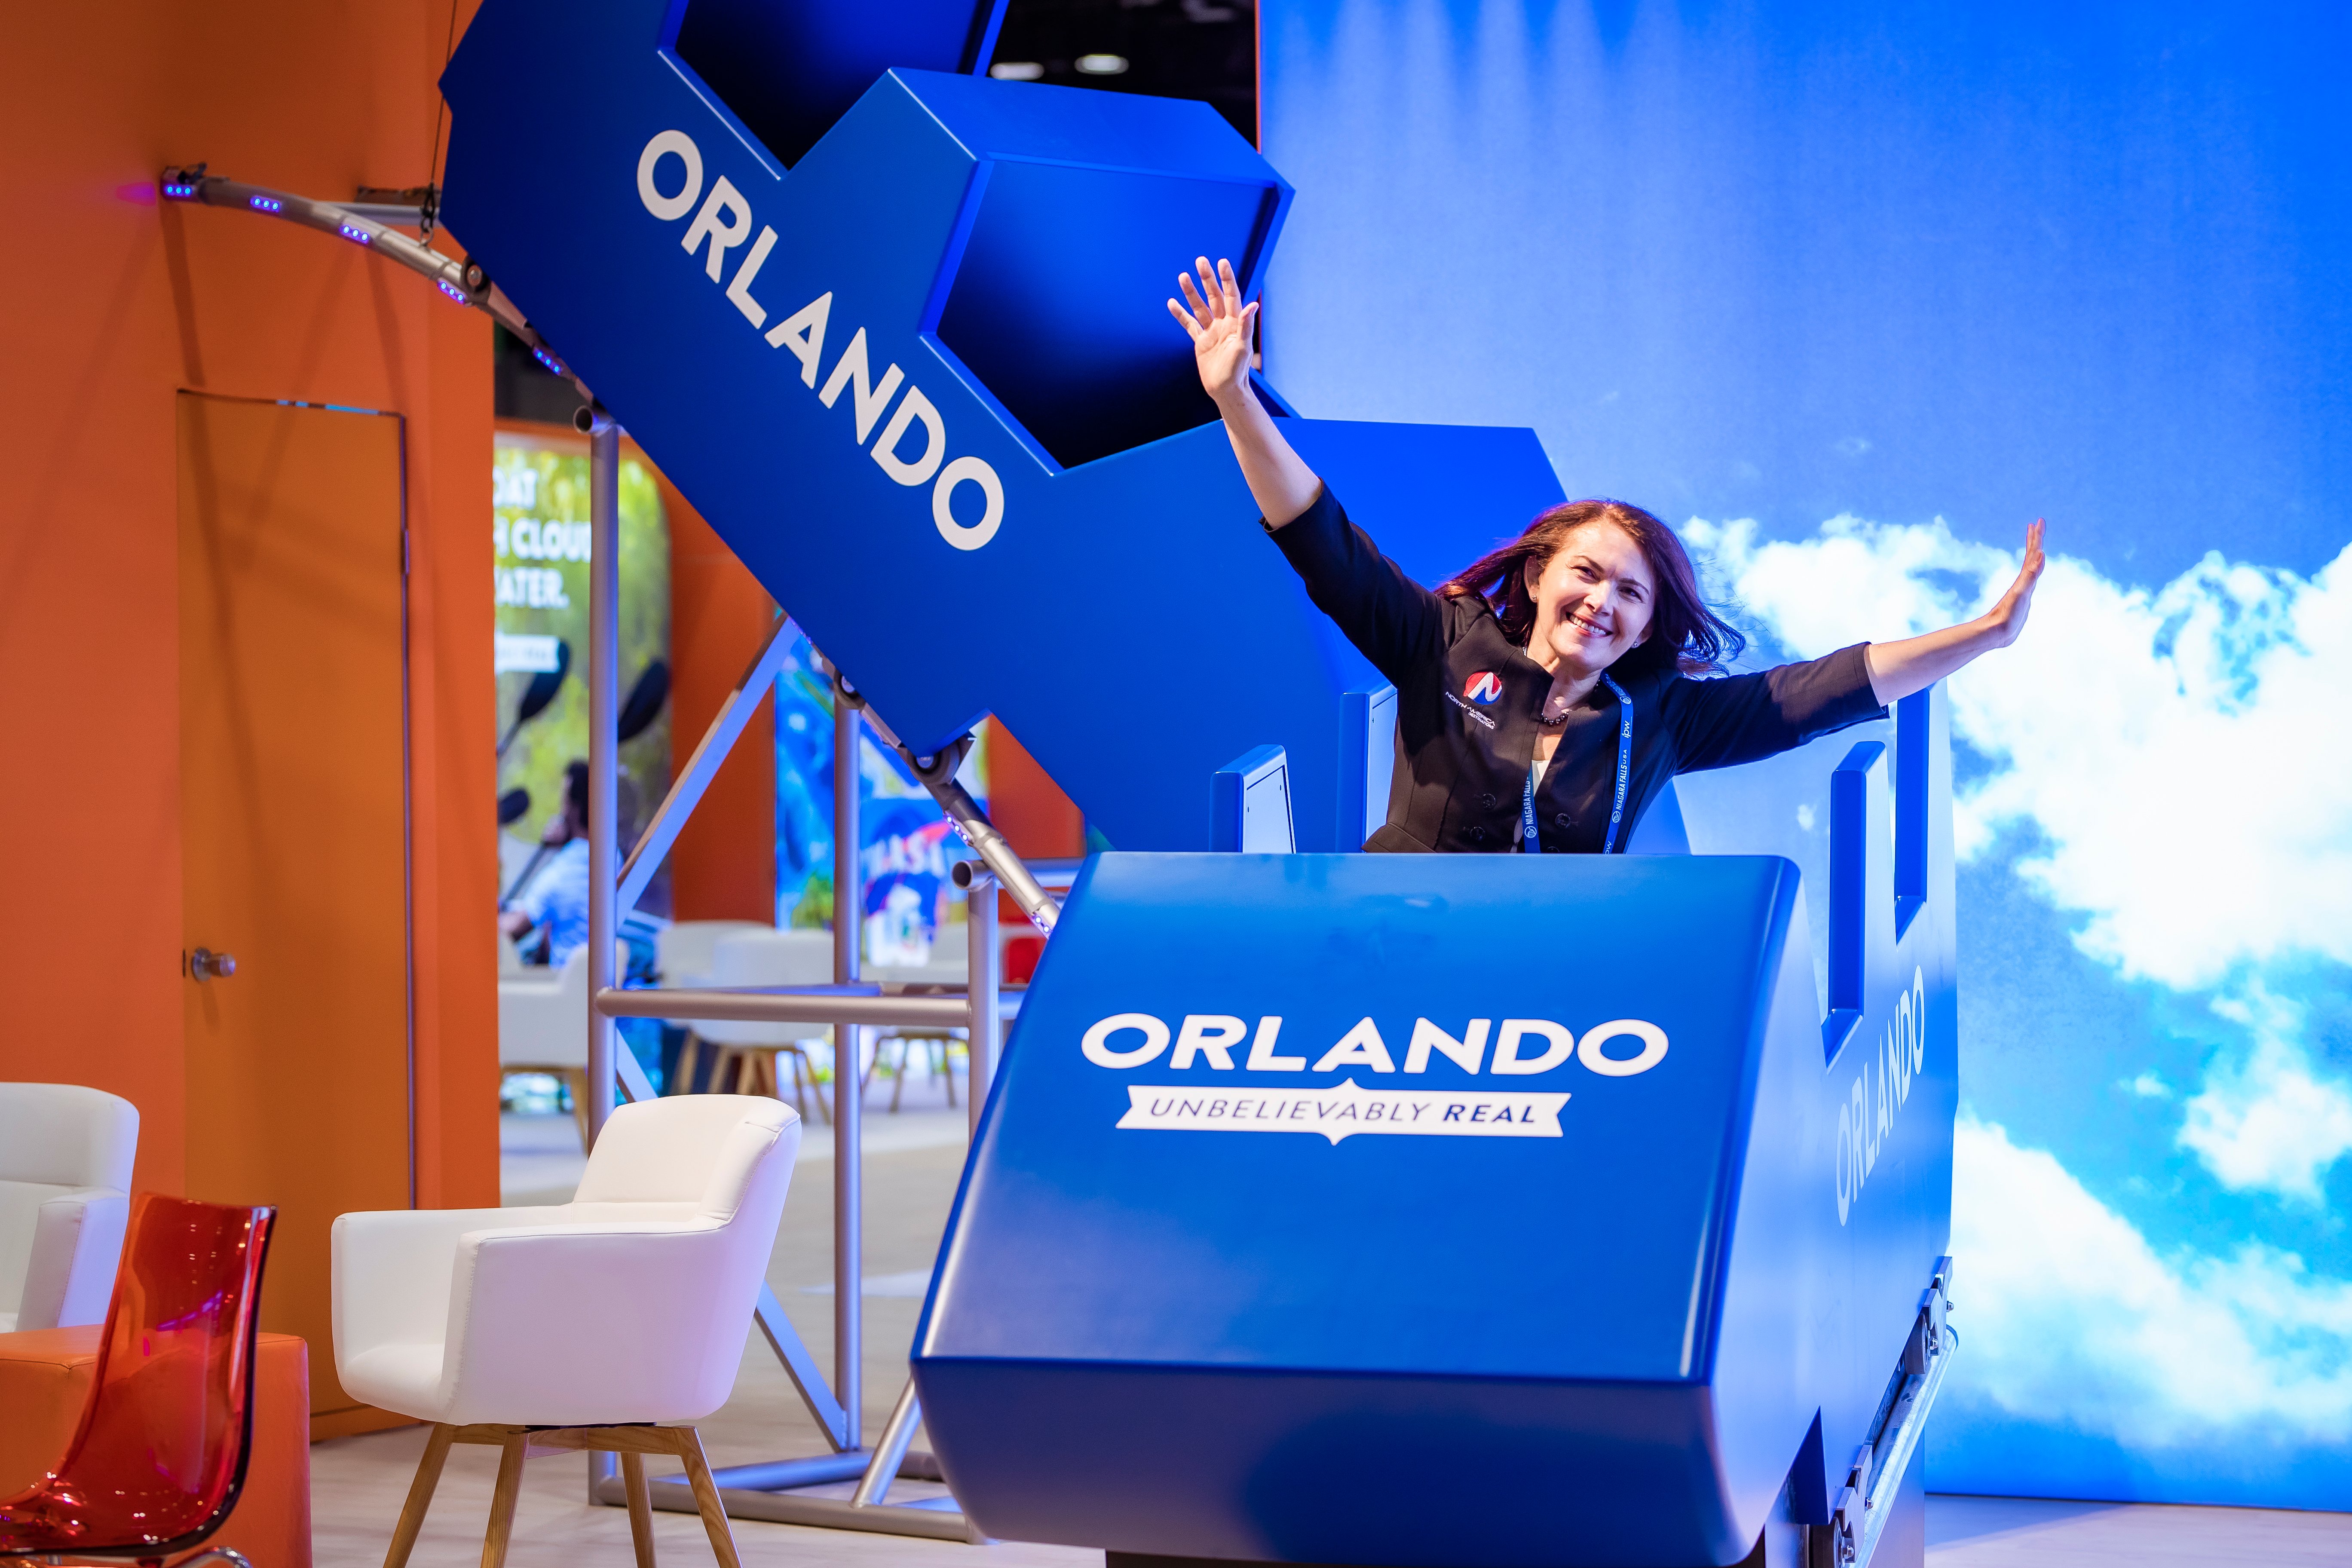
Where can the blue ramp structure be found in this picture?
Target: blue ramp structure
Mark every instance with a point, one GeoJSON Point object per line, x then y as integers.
{"type": "Point", "coordinates": [916, 371]}
{"type": "Point", "coordinates": [1485, 1211]}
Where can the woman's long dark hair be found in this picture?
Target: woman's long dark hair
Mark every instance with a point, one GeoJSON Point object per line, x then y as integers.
{"type": "Point", "coordinates": [1684, 634]}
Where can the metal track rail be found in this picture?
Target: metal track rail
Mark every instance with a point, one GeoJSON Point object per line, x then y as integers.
{"type": "Point", "coordinates": [1876, 1475]}
{"type": "Point", "coordinates": [376, 226]}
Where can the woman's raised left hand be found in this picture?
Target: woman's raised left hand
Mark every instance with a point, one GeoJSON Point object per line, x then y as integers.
{"type": "Point", "coordinates": [2007, 618]}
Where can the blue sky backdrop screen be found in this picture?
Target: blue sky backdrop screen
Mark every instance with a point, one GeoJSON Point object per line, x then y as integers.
{"type": "Point", "coordinates": [1851, 294]}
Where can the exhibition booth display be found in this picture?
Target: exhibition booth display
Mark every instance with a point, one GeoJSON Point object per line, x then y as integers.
{"type": "Point", "coordinates": [1319, 1188]}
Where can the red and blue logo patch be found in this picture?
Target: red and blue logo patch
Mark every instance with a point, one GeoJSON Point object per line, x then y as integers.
{"type": "Point", "coordinates": [1483, 688]}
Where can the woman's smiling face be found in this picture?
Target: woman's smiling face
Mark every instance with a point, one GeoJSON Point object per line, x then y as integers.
{"type": "Point", "coordinates": [1594, 599]}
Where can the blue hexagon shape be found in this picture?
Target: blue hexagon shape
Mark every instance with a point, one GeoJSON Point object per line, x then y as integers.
{"type": "Point", "coordinates": [923, 385]}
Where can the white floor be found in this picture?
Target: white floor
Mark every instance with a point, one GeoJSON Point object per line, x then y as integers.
{"type": "Point", "coordinates": [912, 1160]}
{"type": "Point", "coordinates": [2023, 1532]}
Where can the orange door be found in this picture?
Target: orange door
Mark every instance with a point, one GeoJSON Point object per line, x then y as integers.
{"type": "Point", "coordinates": [294, 834]}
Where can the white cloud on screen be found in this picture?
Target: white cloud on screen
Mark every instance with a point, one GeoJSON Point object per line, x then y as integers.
{"type": "Point", "coordinates": [2263, 1120]}
{"type": "Point", "coordinates": [2182, 757]}
{"type": "Point", "coordinates": [2183, 753]}
{"type": "Point", "coordinates": [2067, 1314]}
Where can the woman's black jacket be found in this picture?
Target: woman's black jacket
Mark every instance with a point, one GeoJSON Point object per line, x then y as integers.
{"type": "Point", "coordinates": [1462, 764]}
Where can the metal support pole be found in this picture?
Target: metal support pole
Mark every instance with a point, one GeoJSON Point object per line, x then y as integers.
{"type": "Point", "coordinates": [983, 963]}
{"type": "Point", "coordinates": [937, 776]}
{"type": "Point", "coordinates": [849, 1080]}
{"type": "Point", "coordinates": [604, 749]}
{"type": "Point", "coordinates": [603, 776]}
{"type": "Point", "coordinates": [874, 1486]}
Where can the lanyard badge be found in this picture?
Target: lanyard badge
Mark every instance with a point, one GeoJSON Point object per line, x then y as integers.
{"type": "Point", "coordinates": [1532, 841]}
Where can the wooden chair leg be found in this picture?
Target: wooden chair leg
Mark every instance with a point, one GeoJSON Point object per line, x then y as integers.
{"type": "Point", "coordinates": [641, 1507]}
{"type": "Point", "coordinates": [689, 1446]}
{"type": "Point", "coordinates": [576, 1081]}
{"type": "Point", "coordinates": [420, 1496]}
{"type": "Point", "coordinates": [801, 1058]}
{"type": "Point", "coordinates": [502, 1502]}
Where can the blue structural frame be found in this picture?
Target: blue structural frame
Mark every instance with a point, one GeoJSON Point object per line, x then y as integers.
{"type": "Point", "coordinates": [1639, 1299]}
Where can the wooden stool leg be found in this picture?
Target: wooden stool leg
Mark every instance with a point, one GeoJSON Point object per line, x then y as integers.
{"type": "Point", "coordinates": [688, 1444]}
{"type": "Point", "coordinates": [502, 1502]}
{"type": "Point", "coordinates": [420, 1496]}
{"type": "Point", "coordinates": [641, 1507]}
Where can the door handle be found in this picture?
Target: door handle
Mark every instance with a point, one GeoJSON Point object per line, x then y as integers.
{"type": "Point", "coordinates": [206, 964]}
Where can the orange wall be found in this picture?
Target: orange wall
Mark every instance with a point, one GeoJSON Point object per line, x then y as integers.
{"type": "Point", "coordinates": [1028, 807]}
{"type": "Point", "coordinates": [723, 867]}
{"type": "Point", "coordinates": [113, 303]}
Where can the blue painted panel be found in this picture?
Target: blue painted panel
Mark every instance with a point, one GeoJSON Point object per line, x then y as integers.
{"type": "Point", "coordinates": [719, 370]}
{"type": "Point", "coordinates": [1046, 314]}
{"type": "Point", "coordinates": [1661, 830]}
{"type": "Point", "coordinates": [788, 69]}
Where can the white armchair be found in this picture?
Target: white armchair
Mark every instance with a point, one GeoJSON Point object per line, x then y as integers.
{"type": "Point", "coordinates": [543, 1027]}
{"type": "Point", "coordinates": [746, 1053]}
{"type": "Point", "coordinates": [683, 950]}
{"type": "Point", "coordinates": [568, 1326]}
{"type": "Point", "coordinates": [66, 1154]}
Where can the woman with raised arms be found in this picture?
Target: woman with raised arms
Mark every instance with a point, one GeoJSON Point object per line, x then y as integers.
{"type": "Point", "coordinates": [1547, 694]}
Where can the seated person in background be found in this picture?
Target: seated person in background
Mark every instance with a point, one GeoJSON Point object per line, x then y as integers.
{"type": "Point", "coordinates": [555, 893]}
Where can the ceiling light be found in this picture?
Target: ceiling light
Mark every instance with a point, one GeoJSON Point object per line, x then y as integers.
{"type": "Point", "coordinates": [1102, 65]}
{"type": "Point", "coordinates": [1017, 70]}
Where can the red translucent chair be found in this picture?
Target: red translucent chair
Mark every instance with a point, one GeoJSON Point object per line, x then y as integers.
{"type": "Point", "coordinates": [159, 1457]}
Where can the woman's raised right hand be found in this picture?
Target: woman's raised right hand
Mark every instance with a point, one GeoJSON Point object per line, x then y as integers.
{"type": "Point", "coordinates": [1221, 326]}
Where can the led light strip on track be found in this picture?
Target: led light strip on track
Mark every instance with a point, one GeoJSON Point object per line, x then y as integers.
{"type": "Point", "coordinates": [376, 225]}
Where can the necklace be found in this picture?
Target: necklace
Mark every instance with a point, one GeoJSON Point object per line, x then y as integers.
{"type": "Point", "coordinates": [1554, 723]}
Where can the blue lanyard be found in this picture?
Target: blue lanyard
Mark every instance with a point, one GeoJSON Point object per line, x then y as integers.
{"type": "Point", "coordinates": [1533, 843]}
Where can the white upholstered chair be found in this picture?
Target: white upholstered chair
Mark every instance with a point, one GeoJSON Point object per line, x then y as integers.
{"type": "Point", "coordinates": [745, 1053]}
{"type": "Point", "coordinates": [543, 1027]}
{"type": "Point", "coordinates": [683, 950]}
{"type": "Point", "coordinates": [66, 1154]}
{"type": "Point", "coordinates": [950, 965]}
{"type": "Point", "coordinates": [569, 1326]}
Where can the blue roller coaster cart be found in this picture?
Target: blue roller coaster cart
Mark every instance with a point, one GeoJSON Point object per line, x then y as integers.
{"type": "Point", "coordinates": [1482, 1211]}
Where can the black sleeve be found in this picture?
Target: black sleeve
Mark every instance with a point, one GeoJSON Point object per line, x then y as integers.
{"type": "Point", "coordinates": [1393, 620]}
{"type": "Point", "coordinates": [1741, 718]}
